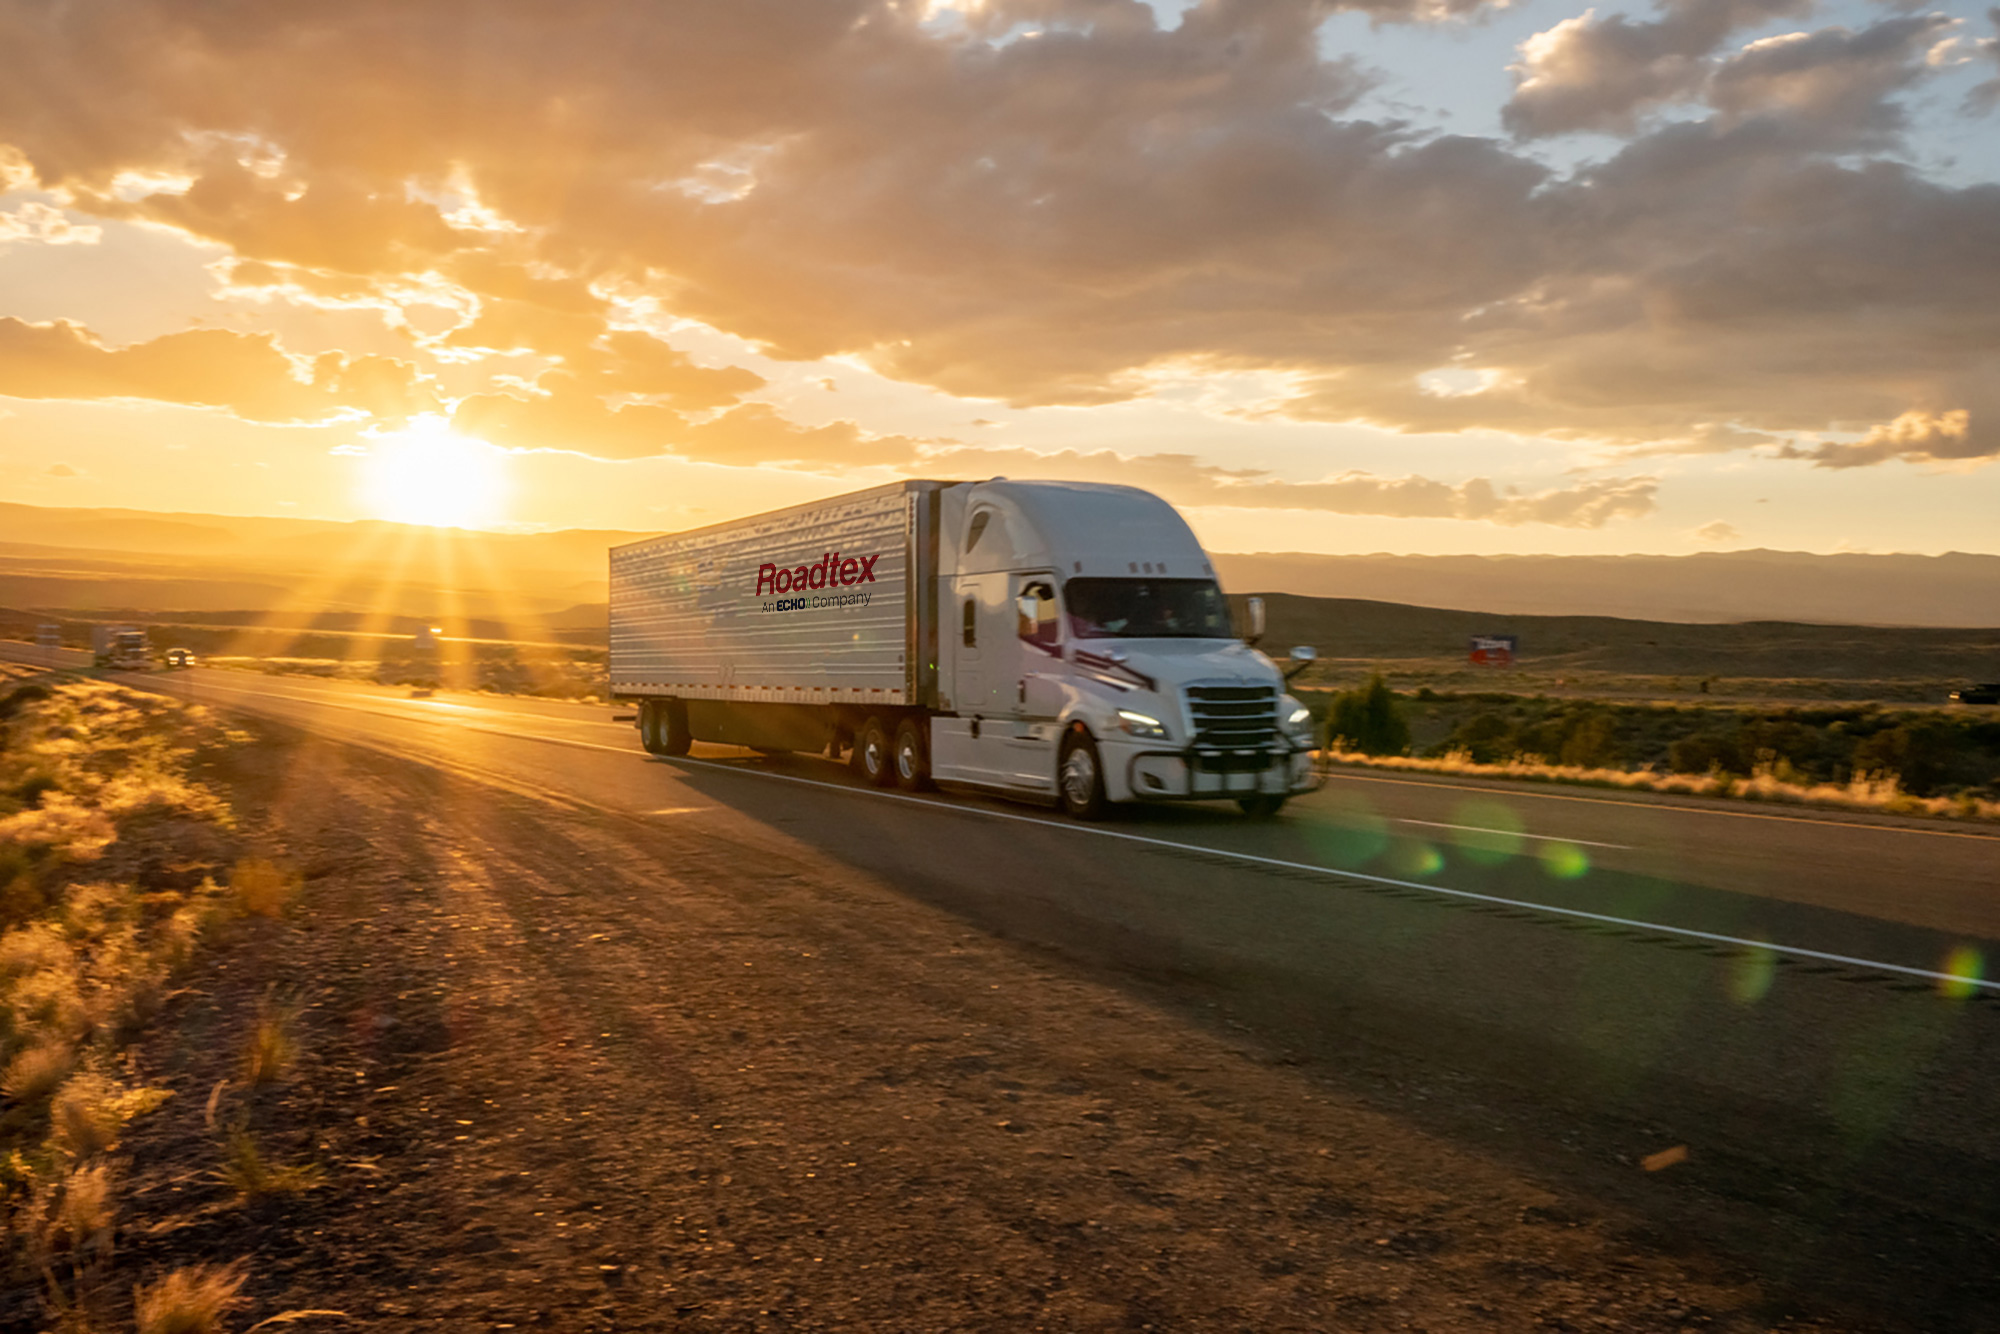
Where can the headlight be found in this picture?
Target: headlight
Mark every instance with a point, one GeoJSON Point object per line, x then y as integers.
{"type": "Point", "coordinates": [1139, 724]}
{"type": "Point", "coordinates": [1299, 721]}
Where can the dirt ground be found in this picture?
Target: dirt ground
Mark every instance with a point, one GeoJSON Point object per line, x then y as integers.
{"type": "Point", "coordinates": [570, 1070]}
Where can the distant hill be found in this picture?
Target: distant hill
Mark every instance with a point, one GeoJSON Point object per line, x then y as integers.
{"type": "Point", "coordinates": [1955, 589]}
{"type": "Point", "coordinates": [1345, 629]}
{"type": "Point", "coordinates": [106, 559]}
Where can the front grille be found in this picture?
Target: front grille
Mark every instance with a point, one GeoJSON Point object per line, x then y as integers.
{"type": "Point", "coordinates": [1234, 717]}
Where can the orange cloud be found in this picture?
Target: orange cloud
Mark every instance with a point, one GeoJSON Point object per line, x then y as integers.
{"type": "Point", "coordinates": [243, 373]}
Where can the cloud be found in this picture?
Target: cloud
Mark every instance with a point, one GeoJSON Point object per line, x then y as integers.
{"type": "Point", "coordinates": [1920, 437]}
{"type": "Point", "coordinates": [1717, 534]}
{"type": "Point", "coordinates": [59, 470]}
{"type": "Point", "coordinates": [1588, 73]}
{"type": "Point", "coordinates": [1985, 97]}
{"type": "Point", "coordinates": [1064, 220]}
{"type": "Point", "coordinates": [38, 222]}
{"type": "Point", "coordinates": [243, 373]}
{"type": "Point", "coordinates": [1185, 480]}
{"type": "Point", "coordinates": [1835, 81]}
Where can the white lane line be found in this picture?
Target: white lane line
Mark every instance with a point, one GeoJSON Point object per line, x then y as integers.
{"type": "Point", "coordinates": [1526, 791]}
{"type": "Point", "coordinates": [1768, 947]}
{"type": "Point", "coordinates": [1513, 833]}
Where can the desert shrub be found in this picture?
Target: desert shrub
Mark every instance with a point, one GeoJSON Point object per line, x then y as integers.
{"type": "Point", "coordinates": [1589, 741]}
{"type": "Point", "coordinates": [1485, 738]}
{"type": "Point", "coordinates": [190, 1300]}
{"type": "Point", "coordinates": [37, 1071]}
{"type": "Point", "coordinates": [1369, 720]}
{"type": "Point", "coordinates": [246, 1171]}
{"type": "Point", "coordinates": [262, 887]}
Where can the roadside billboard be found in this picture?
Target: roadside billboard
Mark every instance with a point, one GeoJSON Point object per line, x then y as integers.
{"type": "Point", "coordinates": [1494, 650]}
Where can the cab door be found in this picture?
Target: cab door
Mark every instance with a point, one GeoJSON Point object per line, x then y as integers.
{"type": "Point", "coordinates": [1033, 696]}
{"type": "Point", "coordinates": [971, 746]}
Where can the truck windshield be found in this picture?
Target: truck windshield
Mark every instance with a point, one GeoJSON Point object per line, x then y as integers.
{"type": "Point", "coordinates": [1146, 609]}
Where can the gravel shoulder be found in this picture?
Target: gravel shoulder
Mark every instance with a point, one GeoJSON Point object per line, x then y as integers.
{"type": "Point", "coordinates": [574, 1070]}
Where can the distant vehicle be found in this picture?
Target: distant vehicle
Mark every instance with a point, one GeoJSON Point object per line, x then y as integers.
{"type": "Point", "coordinates": [1986, 692]}
{"type": "Point", "coordinates": [48, 635]}
{"type": "Point", "coordinates": [1047, 640]}
{"type": "Point", "coordinates": [178, 657]}
{"type": "Point", "coordinates": [120, 647]}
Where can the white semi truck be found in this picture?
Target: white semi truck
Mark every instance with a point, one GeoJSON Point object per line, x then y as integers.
{"type": "Point", "coordinates": [1048, 640]}
{"type": "Point", "coordinates": [122, 647]}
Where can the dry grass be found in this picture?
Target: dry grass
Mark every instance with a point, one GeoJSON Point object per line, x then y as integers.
{"type": "Point", "coordinates": [272, 1046]}
{"type": "Point", "coordinates": [245, 1170]}
{"type": "Point", "coordinates": [1772, 783]}
{"type": "Point", "coordinates": [37, 1071]}
{"type": "Point", "coordinates": [262, 887]}
{"type": "Point", "coordinates": [89, 1112]}
{"type": "Point", "coordinates": [190, 1300]}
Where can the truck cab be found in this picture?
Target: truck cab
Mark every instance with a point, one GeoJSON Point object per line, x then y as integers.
{"type": "Point", "coordinates": [1086, 654]}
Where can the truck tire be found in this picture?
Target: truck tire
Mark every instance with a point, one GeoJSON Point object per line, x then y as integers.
{"type": "Point", "coordinates": [1262, 806]}
{"type": "Point", "coordinates": [874, 754]}
{"type": "Point", "coordinates": [913, 757]}
{"type": "Point", "coordinates": [1080, 777]}
{"type": "Point", "coordinates": [663, 727]}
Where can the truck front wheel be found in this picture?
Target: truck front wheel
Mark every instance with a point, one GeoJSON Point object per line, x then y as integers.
{"type": "Point", "coordinates": [874, 757]}
{"type": "Point", "coordinates": [1080, 777]}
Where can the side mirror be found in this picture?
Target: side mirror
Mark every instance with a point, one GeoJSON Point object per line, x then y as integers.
{"type": "Point", "coordinates": [1302, 656]}
{"type": "Point", "coordinates": [1029, 606]}
{"type": "Point", "coordinates": [1255, 607]}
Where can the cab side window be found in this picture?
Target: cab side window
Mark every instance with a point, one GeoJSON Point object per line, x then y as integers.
{"type": "Point", "coordinates": [1038, 614]}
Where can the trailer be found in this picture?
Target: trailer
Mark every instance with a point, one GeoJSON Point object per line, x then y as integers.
{"type": "Point", "coordinates": [1057, 641]}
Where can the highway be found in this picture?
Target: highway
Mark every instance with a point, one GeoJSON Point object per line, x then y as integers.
{"type": "Point", "coordinates": [1557, 975]}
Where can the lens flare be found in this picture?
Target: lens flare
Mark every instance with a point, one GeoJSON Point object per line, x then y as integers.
{"type": "Point", "coordinates": [1966, 967]}
{"type": "Point", "coordinates": [1353, 834]}
{"type": "Point", "coordinates": [1488, 832]}
{"type": "Point", "coordinates": [1751, 974]}
{"type": "Point", "coordinates": [1415, 857]}
{"type": "Point", "coordinates": [1564, 861]}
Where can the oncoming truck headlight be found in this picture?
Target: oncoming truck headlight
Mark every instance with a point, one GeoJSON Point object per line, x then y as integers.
{"type": "Point", "coordinates": [1298, 718]}
{"type": "Point", "coordinates": [1142, 725]}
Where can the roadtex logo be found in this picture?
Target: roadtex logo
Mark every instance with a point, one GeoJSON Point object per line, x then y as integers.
{"type": "Point", "coordinates": [833, 571]}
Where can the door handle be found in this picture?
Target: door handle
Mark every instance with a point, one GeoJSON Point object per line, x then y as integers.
{"type": "Point", "coordinates": [1021, 691]}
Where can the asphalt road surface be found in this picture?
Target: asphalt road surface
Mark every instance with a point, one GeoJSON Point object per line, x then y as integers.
{"type": "Point", "coordinates": [1563, 976]}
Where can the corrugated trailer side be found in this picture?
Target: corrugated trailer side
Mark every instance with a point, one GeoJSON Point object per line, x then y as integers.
{"type": "Point", "coordinates": [714, 613]}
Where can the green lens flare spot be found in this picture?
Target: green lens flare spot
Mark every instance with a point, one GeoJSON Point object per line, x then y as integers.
{"type": "Point", "coordinates": [1413, 857]}
{"type": "Point", "coordinates": [1488, 832]}
{"type": "Point", "coordinates": [1965, 968]}
{"type": "Point", "coordinates": [1751, 974]}
{"type": "Point", "coordinates": [1353, 834]}
{"type": "Point", "coordinates": [1565, 861]}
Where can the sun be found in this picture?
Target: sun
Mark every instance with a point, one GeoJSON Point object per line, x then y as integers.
{"type": "Point", "coordinates": [427, 474]}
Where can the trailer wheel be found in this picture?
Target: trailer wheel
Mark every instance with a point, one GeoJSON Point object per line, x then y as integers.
{"type": "Point", "coordinates": [913, 758]}
{"type": "Point", "coordinates": [1262, 806]}
{"type": "Point", "coordinates": [874, 756]}
{"type": "Point", "coordinates": [1080, 777]}
{"type": "Point", "coordinates": [663, 727]}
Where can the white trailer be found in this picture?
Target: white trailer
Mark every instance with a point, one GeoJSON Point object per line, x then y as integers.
{"type": "Point", "coordinates": [1048, 640]}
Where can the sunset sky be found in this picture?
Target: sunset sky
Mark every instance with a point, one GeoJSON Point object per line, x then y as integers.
{"type": "Point", "coordinates": [1411, 275]}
